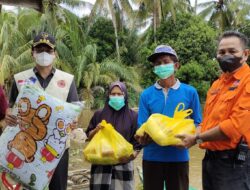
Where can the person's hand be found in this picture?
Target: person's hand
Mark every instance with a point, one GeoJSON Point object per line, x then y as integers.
{"type": "Point", "coordinates": [94, 131]}
{"type": "Point", "coordinates": [125, 160]}
{"type": "Point", "coordinates": [187, 140]}
{"type": "Point", "coordinates": [10, 119]}
{"type": "Point", "coordinates": [74, 125]}
{"type": "Point", "coordinates": [144, 140]}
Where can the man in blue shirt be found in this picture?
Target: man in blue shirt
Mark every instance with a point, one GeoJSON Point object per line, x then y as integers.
{"type": "Point", "coordinates": [167, 164]}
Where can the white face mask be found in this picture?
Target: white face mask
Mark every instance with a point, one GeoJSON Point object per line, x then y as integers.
{"type": "Point", "coordinates": [44, 59]}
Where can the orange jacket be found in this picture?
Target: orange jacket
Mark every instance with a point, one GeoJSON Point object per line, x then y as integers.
{"type": "Point", "coordinates": [228, 106]}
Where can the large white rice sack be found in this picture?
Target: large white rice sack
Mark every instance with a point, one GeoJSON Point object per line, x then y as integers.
{"type": "Point", "coordinates": [31, 150]}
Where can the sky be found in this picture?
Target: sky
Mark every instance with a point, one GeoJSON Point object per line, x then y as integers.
{"type": "Point", "coordinates": [93, 1]}
{"type": "Point", "coordinates": [192, 1]}
{"type": "Point", "coordinates": [86, 12]}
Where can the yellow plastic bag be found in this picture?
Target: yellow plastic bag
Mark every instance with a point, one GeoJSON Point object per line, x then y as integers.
{"type": "Point", "coordinates": [163, 129]}
{"type": "Point", "coordinates": [107, 146]}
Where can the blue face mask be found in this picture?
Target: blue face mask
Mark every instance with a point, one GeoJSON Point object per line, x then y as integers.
{"type": "Point", "coordinates": [164, 71]}
{"type": "Point", "coordinates": [117, 102]}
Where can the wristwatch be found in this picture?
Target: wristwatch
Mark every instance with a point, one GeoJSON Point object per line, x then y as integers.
{"type": "Point", "coordinates": [198, 140]}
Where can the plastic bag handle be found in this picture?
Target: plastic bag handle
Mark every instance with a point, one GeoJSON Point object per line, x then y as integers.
{"type": "Point", "coordinates": [177, 109]}
{"type": "Point", "coordinates": [180, 112]}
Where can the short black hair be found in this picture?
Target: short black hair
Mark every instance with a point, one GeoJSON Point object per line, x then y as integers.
{"type": "Point", "coordinates": [244, 40]}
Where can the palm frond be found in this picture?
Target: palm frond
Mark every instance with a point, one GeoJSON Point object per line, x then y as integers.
{"type": "Point", "coordinates": [81, 64]}
{"type": "Point", "coordinates": [207, 12]}
{"type": "Point", "coordinates": [207, 4]}
{"type": "Point", "coordinates": [7, 66]}
{"type": "Point", "coordinates": [24, 58]}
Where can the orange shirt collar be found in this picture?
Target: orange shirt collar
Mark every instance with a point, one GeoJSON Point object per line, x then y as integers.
{"type": "Point", "coordinates": [238, 74]}
{"type": "Point", "coordinates": [241, 72]}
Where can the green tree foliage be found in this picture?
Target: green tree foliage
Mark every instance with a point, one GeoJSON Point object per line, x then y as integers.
{"type": "Point", "coordinates": [15, 52]}
{"type": "Point", "coordinates": [99, 50]}
{"type": "Point", "coordinates": [226, 14]}
{"type": "Point", "coordinates": [131, 45]}
{"type": "Point", "coordinates": [190, 36]}
{"type": "Point", "coordinates": [199, 76]}
{"type": "Point", "coordinates": [102, 34]}
{"type": "Point", "coordinates": [77, 53]}
{"type": "Point", "coordinates": [159, 10]}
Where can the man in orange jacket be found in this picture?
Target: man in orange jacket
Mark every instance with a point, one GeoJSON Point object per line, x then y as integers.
{"type": "Point", "coordinates": [225, 130]}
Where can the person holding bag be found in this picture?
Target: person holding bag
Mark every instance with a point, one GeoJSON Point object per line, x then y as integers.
{"type": "Point", "coordinates": [116, 112]}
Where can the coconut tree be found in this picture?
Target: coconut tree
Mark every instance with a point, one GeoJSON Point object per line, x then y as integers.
{"type": "Point", "coordinates": [14, 48]}
{"type": "Point", "coordinates": [156, 11]}
{"type": "Point", "coordinates": [41, 5]}
{"type": "Point", "coordinates": [34, 4]}
{"type": "Point", "coordinates": [225, 14]}
{"type": "Point", "coordinates": [78, 57]}
{"type": "Point", "coordinates": [93, 77]}
{"type": "Point", "coordinates": [75, 55]}
{"type": "Point", "coordinates": [195, 6]}
{"type": "Point", "coordinates": [118, 10]}
{"type": "Point", "coordinates": [17, 32]}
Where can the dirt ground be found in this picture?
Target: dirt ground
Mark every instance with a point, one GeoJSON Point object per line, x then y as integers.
{"type": "Point", "coordinates": [77, 162]}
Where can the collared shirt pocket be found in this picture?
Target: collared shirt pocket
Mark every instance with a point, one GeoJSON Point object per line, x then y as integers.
{"type": "Point", "coordinates": [244, 104]}
{"type": "Point", "coordinates": [227, 102]}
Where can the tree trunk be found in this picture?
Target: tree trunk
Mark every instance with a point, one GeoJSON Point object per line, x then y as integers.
{"type": "Point", "coordinates": [155, 20]}
{"type": "Point", "coordinates": [158, 13]}
{"type": "Point", "coordinates": [34, 4]}
{"type": "Point", "coordinates": [195, 7]}
{"type": "Point", "coordinates": [117, 44]}
{"type": "Point", "coordinates": [115, 29]}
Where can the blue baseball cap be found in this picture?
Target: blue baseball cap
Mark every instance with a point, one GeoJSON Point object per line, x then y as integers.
{"type": "Point", "coordinates": [162, 50]}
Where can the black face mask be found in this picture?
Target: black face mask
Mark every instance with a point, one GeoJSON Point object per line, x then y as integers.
{"type": "Point", "coordinates": [229, 63]}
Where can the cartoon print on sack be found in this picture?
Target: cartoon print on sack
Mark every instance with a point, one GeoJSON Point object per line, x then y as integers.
{"type": "Point", "coordinates": [40, 99]}
{"type": "Point", "coordinates": [33, 126]}
{"type": "Point", "coordinates": [32, 180]}
{"type": "Point", "coordinates": [55, 144]}
{"type": "Point", "coordinates": [59, 108]}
